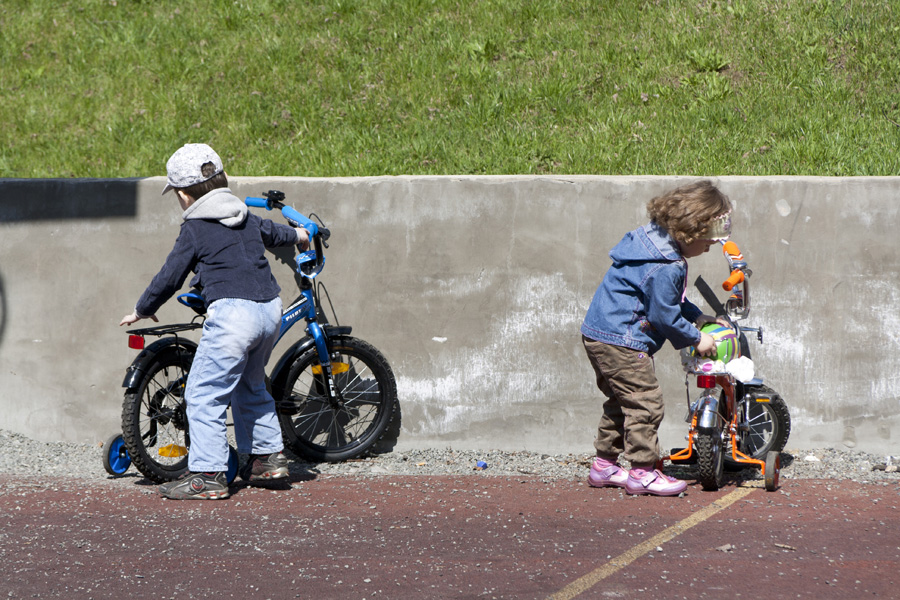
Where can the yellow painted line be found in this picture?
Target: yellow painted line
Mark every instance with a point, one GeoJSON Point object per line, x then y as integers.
{"type": "Point", "coordinates": [583, 584]}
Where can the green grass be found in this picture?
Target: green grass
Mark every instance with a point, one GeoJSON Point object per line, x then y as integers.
{"type": "Point", "coordinates": [335, 88]}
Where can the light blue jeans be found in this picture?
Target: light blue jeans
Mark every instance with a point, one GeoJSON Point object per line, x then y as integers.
{"type": "Point", "coordinates": [229, 368]}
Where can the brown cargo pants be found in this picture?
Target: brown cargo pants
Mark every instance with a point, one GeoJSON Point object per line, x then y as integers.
{"type": "Point", "coordinates": [634, 407]}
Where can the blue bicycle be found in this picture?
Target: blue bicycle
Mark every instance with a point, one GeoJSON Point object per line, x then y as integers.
{"type": "Point", "coordinates": [335, 395]}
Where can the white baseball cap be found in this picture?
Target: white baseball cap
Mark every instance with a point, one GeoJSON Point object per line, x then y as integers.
{"type": "Point", "coordinates": [185, 167]}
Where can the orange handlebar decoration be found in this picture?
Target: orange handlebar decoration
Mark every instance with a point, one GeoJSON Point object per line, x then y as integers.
{"type": "Point", "coordinates": [735, 278]}
{"type": "Point", "coordinates": [731, 249]}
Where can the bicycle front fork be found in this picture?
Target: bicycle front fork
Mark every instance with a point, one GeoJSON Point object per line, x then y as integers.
{"type": "Point", "coordinates": [334, 396]}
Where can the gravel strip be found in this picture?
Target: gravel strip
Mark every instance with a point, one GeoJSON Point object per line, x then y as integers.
{"type": "Point", "coordinates": [22, 455]}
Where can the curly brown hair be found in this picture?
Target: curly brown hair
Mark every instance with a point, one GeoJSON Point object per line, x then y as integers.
{"type": "Point", "coordinates": [687, 211]}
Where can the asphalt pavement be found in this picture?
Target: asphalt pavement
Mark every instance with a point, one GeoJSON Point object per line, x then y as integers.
{"type": "Point", "coordinates": [448, 537]}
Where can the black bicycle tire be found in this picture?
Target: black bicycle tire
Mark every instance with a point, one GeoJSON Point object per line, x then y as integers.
{"type": "Point", "coordinates": [710, 459]}
{"type": "Point", "coordinates": [303, 433]}
{"type": "Point", "coordinates": [777, 409]}
{"type": "Point", "coordinates": [133, 408]}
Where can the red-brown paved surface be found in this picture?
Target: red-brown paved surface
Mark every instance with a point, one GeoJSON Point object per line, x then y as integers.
{"type": "Point", "coordinates": [448, 537]}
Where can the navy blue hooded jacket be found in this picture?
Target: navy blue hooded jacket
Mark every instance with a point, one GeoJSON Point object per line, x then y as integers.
{"type": "Point", "coordinates": [224, 244]}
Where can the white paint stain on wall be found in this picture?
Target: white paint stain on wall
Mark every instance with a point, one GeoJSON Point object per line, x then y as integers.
{"type": "Point", "coordinates": [783, 207]}
{"type": "Point", "coordinates": [541, 311]}
{"type": "Point", "coordinates": [823, 383]}
{"type": "Point", "coordinates": [785, 332]}
{"type": "Point", "coordinates": [457, 286]}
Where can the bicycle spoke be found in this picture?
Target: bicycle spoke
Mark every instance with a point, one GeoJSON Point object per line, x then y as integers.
{"type": "Point", "coordinates": [345, 426]}
{"type": "Point", "coordinates": [308, 421]}
{"type": "Point", "coordinates": [758, 432]}
{"type": "Point", "coordinates": [158, 425]}
{"type": "Point", "coordinates": [763, 415]}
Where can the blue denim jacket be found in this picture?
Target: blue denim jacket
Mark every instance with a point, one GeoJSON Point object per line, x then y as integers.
{"type": "Point", "coordinates": [641, 302]}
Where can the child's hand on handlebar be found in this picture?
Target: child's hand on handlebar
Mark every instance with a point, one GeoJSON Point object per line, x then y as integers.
{"type": "Point", "coordinates": [302, 238]}
{"type": "Point", "coordinates": [134, 318]}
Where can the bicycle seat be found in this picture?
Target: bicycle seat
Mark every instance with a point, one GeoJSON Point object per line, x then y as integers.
{"type": "Point", "coordinates": [193, 300]}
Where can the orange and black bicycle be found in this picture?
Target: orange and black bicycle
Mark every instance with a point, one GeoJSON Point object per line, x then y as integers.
{"type": "Point", "coordinates": [736, 422]}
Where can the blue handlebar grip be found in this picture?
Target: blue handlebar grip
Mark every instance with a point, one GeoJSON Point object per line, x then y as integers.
{"type": "Point", "coordinates": [292, 215]}
{"type": "Point", "coordinates": [257, 202]}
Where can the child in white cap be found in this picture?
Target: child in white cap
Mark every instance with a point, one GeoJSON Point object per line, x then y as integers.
{"type": "Point", "coordinates": [224, 245]}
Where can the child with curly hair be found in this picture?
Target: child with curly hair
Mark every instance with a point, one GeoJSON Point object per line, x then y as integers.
{"type": "Point", "coordinates": [640, 304]}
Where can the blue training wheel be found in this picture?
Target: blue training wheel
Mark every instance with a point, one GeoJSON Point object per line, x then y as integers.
{"type": "Point", "coordinates": [115, 458]}
{"type": "Point", "coordinates": [232, 471]}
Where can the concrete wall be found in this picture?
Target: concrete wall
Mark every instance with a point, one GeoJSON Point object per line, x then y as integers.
{"type": "Point", "coordinates": [474, 288]}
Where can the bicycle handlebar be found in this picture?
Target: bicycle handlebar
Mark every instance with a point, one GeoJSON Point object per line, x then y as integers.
{"type": "Point", "coordinates": [732, 252]}
{"type": "Point", "coordinates": [738, 306]}
{"type": "Point", "coordinates": [734, 279]}
{"type": "Point", "coordinates": [257, 202]}
{"type": "Point", "coordinates": [736, 262]}
{"type": "Point", "coordinates": [309, 261]}
{"type": "Point", "coordinates": [289, 213]}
